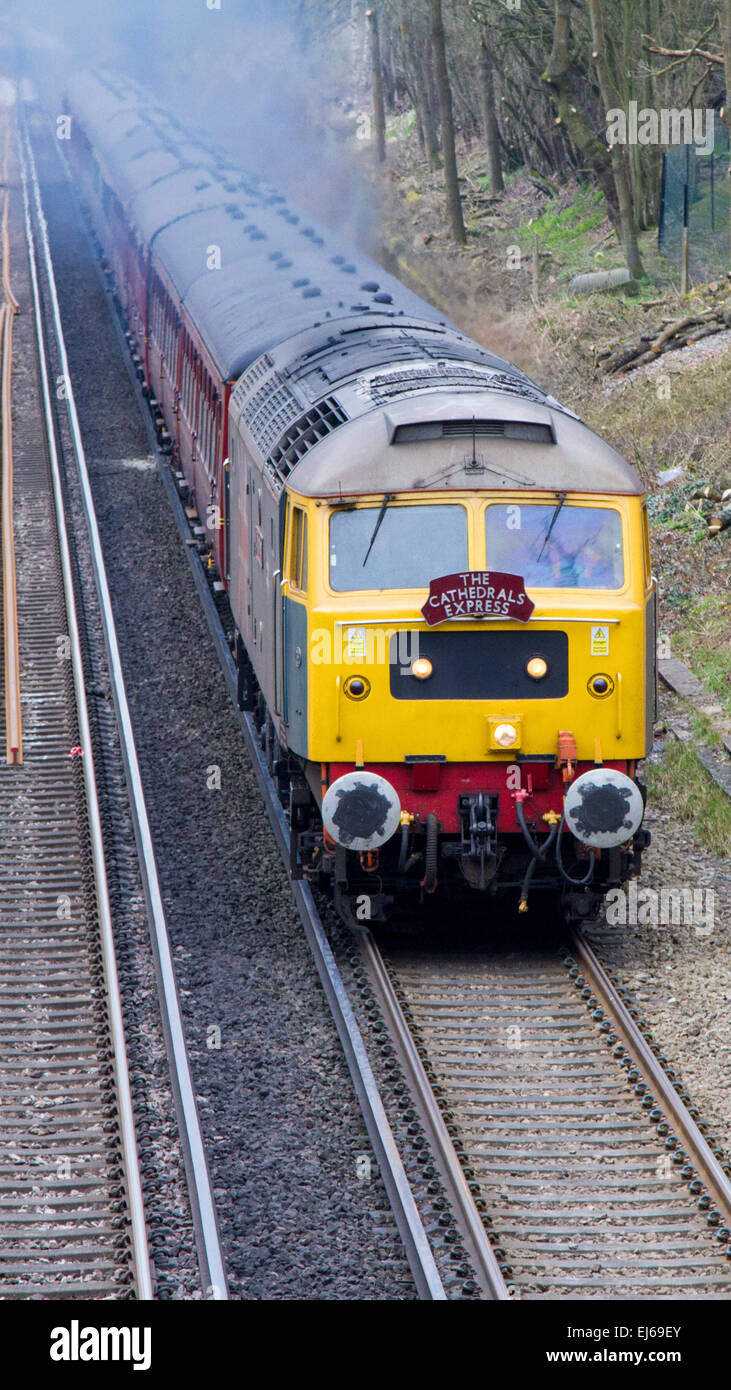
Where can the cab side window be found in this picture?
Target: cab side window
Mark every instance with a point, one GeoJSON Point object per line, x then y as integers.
{"type": "Point", "coordinates": [298, 550]}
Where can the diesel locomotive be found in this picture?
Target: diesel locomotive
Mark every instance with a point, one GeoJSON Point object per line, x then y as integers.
{"type": "Point", "coordinates": [439, 577]}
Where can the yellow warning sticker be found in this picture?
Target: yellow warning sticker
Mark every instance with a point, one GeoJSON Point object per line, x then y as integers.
{"type": "Point", "coordinates": [355, 644]}
{"type": "Point", "coordinates": [600, 641]}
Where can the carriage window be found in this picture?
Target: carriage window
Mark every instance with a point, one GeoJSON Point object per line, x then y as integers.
{"type": "Point", "coordinates": [570, 548]}
{"type": "Point", "coordinates": [411, 546]}
{"type": "Point", "coordinates": [189, 393]}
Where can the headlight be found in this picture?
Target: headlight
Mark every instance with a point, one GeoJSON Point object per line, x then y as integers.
{"type": "Point", "coordinates": [506, 735]}
{"type": "Point", "coordinates": [537, 668]}
{"type": "Point", "coordinates": [421, 668]}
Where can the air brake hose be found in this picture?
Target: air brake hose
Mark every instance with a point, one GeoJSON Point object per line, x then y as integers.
{"type": "Point", "coordinates": [429, 881]}
{"type": "Point", "coordinates": [538, 856]}
{"type": "Point", "coordinates": [576, 882]}
{"type": "Point", "coordinates": [532, 846]}
{"type": "Point", "coordinates": [404, 848]}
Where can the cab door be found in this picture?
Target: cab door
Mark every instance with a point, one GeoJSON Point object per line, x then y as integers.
{"type": "Point", "coordinates": [295, 629]}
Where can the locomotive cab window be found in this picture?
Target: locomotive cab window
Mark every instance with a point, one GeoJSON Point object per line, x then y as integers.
{"type": "Point", "coordinates": [396, 547]}
{"type": "Point", "coordinates": [298, 550]}
{"type": "Point", "coordinates": [555, 546]}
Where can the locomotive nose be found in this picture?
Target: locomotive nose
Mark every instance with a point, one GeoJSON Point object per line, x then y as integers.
{"type": "Point", "coordinates": [361, 810]}
{"type": "Point", "coordinates": [603, 808]}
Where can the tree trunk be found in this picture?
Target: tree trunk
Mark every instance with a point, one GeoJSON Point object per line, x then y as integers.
{"type": "Point", "coordinates": [560, 80]}
{"type": "Point", "coordinates": [419, 91]}
{"type": "Point", "coordinates": [431, 102]}
{"type": "Point", "coordinates": [489, 117]}
{"type": "Point", "coordinates": [379, 108]}
{"type": "Point", "coordinates": [449, 153]}
{"type": "Point", "coordinates": [726, 42]}
{"type": "Point", "coordinates": [619, 154]}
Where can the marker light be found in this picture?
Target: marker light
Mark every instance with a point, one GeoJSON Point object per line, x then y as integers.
{"type": "Point", "coordinates": [600, 686]}
{"type": "Point", "coordinates": [357, 687]}
{"type": "Point", "coordinates": [506, 735]}
{"type": "Point", "coordinates": [421, 668]}
{"type": "Point", "coordinates": [537, 668]}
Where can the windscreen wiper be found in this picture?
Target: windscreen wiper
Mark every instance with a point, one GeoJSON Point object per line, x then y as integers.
{"type": "Point", "coordinates": [554, 519]}
{"type": "Point", "coordinates": [387, 497]}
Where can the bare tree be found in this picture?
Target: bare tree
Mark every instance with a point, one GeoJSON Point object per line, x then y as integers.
{"type": "Point", "coordinates": [725, 19]}
{"type": "Point", "coordinates": [489, 117]}
{"type": "Point", "coordinates": [619, 158]}
{"type": "Point", "coordinates": [379, 108]}
{"type": "Point", "coordinates": [449, 153]}
{"type": "Point", "coordinates": [561, 78]}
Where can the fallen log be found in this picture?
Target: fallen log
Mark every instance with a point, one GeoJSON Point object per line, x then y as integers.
{"type": "Point", "coordinates": [601, 280]}
{"type": "Point", "coordinates": [627, 356]}
{"type": "Point", "coordinates": [704, 332]}
{"type": "Point", "coordinates": [678, 325]}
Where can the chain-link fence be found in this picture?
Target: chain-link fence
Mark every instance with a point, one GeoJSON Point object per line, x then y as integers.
{"type": "Point", "coordinates": [696, 187]}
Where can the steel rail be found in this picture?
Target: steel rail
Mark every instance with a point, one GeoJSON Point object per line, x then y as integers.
{"type": "Point", "coordinates": [693, 1141]}
{"type": "Point", "coordinates": [484, 1260]}
{"type": "Point", "coordinates": [124, 1097]}
{"type": "Point", "coordinates": [11, 639]}
{"type": "Point", "coordinates": [567, 1138]}
{"type": "Point", "coordinates": [204, 1213]}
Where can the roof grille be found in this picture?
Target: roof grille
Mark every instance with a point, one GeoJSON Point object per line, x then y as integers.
{"type": "Point", "coordinates": [386, 386]}
{"type": "Point", "coordinates": [269, 412]}
{"type": "Point", "coordinates": [311, 427]}
{"type": "Point", "coordinates": [270, 409]}
{"type": "Point", "coordinates": [473, 429]}
{"type": "Point", "coordinates": [254, 373]}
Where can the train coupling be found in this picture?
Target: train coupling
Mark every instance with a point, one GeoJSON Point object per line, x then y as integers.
{"type": "Point", "coordinates": [478, 861]}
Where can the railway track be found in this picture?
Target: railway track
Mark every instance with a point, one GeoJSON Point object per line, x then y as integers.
{"type": "Point", "coordinates": [590, 1173]}
{"type": "Point", "coordinates": [565, 1159]}
{"type": "Point", "coordinates": [531, 1142]}
{"type": "Point", "coordinates": [70, 1194]}
{"type": "Point", "coordinates": [72, 1212]}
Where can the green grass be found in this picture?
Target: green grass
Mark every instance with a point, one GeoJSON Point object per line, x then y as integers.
{"type": "Point", "coordinates": [674, 509]}
{"type": "Point", "coordinates": [680, 780]}
{"type": "Point", "coordinates": [703, 640]}
{"type": "Point", "coordinates": [399, 127]}
{"type": "Point", "coordinates": [564, 232]}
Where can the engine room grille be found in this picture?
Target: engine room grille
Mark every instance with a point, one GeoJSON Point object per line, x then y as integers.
{"type": "Point", "coordinates": [309, 429]}
{"type": "Point", "coordinates": [269, 412]}
{"type": "Point", "coordinates": [254, 373]}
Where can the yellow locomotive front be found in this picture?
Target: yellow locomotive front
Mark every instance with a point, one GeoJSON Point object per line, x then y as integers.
{"type": "Point", "coordinates": [456, 648]}
{"type": "Point", "coordinates": [479, 687]}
